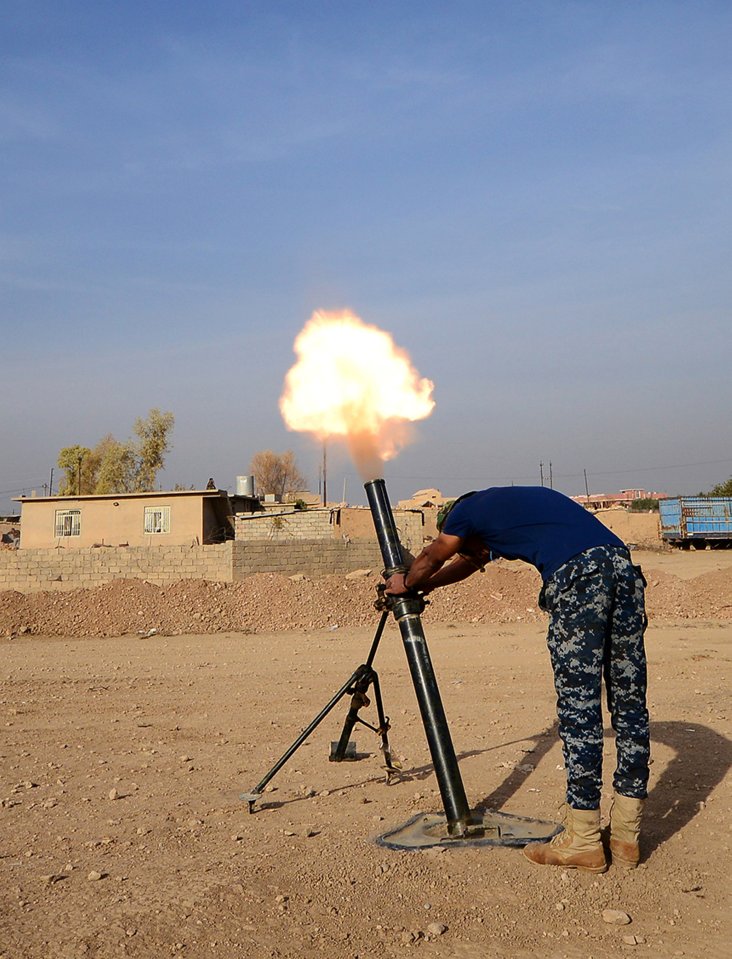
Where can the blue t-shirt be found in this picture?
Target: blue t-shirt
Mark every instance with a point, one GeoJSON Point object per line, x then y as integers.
{"type": "Point", "coordinates": [532, 523]}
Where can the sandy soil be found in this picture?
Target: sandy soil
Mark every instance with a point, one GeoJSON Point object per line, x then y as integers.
{"type": "Point", "coordinates": [122, 759]}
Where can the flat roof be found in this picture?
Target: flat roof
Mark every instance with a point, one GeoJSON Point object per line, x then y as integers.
{"type": "Point", "coordinates": [116, 496]}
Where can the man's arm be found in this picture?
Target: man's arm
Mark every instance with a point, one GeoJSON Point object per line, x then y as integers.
{"type": "Point", "coordinates": [455, 571]}
{"type": "Point", "coordinates": [426, 571]}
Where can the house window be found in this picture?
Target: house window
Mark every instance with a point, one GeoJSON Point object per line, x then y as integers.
{"type": "Point", "coordinates": [157, 519]}
{"type": "Point", "coordinates": [68, 522]}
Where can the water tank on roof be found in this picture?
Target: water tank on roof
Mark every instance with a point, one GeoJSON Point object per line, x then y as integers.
{"type": "Point", "coordinates": [245, 486]}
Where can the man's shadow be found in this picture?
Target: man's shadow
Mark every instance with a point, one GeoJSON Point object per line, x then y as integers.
{"type": "Point", "coordinates": [701, 760]}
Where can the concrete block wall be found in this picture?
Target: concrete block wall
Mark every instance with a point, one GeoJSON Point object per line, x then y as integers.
{"type": "Point", "coordinates": [30, 570]}
{"type": "Point", "coordinates": [311, 557]}
{"type": "Point", "coordinates": [282, 527]}
{"type": "Point", "coordinates": [325, 524]}
{"type": "Point", "coordinates": [326, 550]}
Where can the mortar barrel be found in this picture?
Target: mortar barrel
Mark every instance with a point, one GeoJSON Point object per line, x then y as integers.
{"type": "Point", "coordinates": [407, 611]}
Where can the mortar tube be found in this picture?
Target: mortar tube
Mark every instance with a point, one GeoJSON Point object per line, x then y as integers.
{"type": "Point", "coordinates": [407, 610]}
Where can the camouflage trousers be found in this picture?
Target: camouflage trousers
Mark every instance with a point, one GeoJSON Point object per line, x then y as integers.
{"type": "Point", "coordinates": [597, 620]}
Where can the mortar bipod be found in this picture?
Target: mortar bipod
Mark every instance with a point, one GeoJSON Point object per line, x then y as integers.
{"type": "Point", "coordinates": [357, 687]}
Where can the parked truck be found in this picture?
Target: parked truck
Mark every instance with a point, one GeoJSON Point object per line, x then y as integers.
{"type": "Point", "coordinates": [697, 521]}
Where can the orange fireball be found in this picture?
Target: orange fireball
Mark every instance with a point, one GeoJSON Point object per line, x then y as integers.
{"type": "Point", "coordinates": [351, 381]}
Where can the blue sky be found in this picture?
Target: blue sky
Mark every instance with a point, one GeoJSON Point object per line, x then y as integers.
{"type": "Point", "coordinates": [532, 197]}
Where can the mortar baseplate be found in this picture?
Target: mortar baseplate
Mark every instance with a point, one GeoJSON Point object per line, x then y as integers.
{"type": "Point", "coordinates": [485, 828]}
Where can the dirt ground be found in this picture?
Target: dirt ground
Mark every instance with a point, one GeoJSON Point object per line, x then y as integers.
{"type": "Point", "coordinates": [123, 757]}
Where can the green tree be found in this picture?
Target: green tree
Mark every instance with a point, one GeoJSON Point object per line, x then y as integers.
{"type": "Point", "coordinates": [721, 489]}
{"type": "Point", "coordinates": [276, 473]}
{"type": "Point", "coordinates": [153, 435]}
{"type": "Point", "coordinates": [75, 461]}
{"type": "Point", "coordinates": [115, 467]}
{"type": "Point", "coordinates": [645, 505]}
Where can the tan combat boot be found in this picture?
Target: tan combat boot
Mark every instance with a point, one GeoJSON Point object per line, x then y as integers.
{"type": "Point", "coordinates": [625, 819]}
{"type": "Point", "coordinates": [578, 847]}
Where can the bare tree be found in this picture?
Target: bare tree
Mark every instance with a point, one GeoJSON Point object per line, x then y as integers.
{"type": "Point", "coordinates": [276, 473]}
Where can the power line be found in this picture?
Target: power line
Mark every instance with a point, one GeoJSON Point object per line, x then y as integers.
{"type": "Point", "coordinates": [555, 475]}
{"type": "Point", "coordinates": [21, 489]}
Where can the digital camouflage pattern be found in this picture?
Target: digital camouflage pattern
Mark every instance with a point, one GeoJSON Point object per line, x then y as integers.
{"type": "Point", "coordinates": [597, 609]}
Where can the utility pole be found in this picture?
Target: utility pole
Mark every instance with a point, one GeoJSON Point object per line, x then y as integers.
{"type": "Point", "coordinates": [587, 488]}
{"type": "Point", "coordinates": [50, 485]}
{"type": "Point", "coordinates": [78, 481]}
{"type": "Point", "coordinates": [325, 474]}
{"type": "Point", "coordinates": [551, 478]}
{"type": "Point", "coordinates": [541, 473]}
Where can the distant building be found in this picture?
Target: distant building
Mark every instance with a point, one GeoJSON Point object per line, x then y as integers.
{"type": "Point", "coordinates": [178, 518]}
{"type": "Point", "coordinates": [423, 499]}
{"type": "Point", "coordinates": [623, 499]}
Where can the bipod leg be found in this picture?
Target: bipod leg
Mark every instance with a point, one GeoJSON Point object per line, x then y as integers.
{"type": "Point", "coordinates": [357, 684]}
{"type": "Point", "coordinates": [359, 700]}
{"type": "Point", "coordinates": [359, 697]}
{"type": "Point", "coordinates": [256, 793]}
{"type": "Point", "coordinates": [392, 768]}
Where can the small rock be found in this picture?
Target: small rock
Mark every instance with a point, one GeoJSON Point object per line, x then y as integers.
{"type": "Point", "coordinates": [358, 573]}
{"type": "Point", "coordinates": [437, 928]}
{"type": "Point", "coordinates": [630, 940]}
{"type": "Point", "coordinates": [615, 917]}
{"type": "Point", "coordinates": [113, 794]}
{"type": "Point", "coordinates": [94, 876]}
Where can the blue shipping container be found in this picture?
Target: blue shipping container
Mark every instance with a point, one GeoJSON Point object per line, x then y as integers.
{"type": "Point", "coordinates": [691, 519]}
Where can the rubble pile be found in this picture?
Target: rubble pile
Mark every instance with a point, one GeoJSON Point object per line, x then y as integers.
{"type": "Point", "coordinates": [269, 602]}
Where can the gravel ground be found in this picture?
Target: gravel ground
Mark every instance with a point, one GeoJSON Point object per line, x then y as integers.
{"type": "Point", "coordinates": [123, 757]}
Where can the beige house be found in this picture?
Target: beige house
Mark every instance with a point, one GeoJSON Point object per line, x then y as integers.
{"type": "Point", "coordinates": [180, 518]}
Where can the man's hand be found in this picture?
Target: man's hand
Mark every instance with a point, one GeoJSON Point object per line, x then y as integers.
{"type": "Point", "coordinates": [424, 567]}
{"type": "Point", "coordinates": [395, 585]}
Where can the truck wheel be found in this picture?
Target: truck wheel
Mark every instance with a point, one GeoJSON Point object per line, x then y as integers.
{"type": "Point", "coordinates": [700, 544]}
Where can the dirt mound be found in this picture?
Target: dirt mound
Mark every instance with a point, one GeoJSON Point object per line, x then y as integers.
{"type": "Point", "coordinates": [266, 602]}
